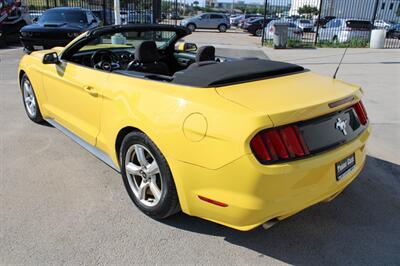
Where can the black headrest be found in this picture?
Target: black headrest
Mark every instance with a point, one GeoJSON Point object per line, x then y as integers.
{"type": "Point", "coordinates": [205, 53]}
{"type": "Point", "coordinates": [146, 52]}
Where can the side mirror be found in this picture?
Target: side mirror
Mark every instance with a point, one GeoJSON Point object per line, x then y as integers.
{"type": "Point", "coordinates": [51, 58]}
{"type": "Point", "coordinates": [35, 20]}
{"type": "Point", "coordinates": [187, 47]}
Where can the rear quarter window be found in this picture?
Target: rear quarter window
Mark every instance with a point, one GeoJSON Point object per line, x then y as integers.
{"type": "Point", "coordinates": [359, 24]}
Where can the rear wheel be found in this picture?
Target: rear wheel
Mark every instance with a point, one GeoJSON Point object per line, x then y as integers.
{"type": "Point", "coordinates": [147, 177]}
{"type": "Point", "coordinates": [30, 101]}
{"type": "Point", "coordinates": [222, 28]}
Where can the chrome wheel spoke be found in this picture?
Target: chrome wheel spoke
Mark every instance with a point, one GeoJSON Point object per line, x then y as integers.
{"type": "Point", "coordinates": [152, 169]}
{"type": "Point", "coordinates": [140, 155]}
{"type": "Point", "coordinates": [142, 190]}
{"type": "Point", "coordinates": [133, 169]}
{"type": "Point", "coordinates": [155, 191]}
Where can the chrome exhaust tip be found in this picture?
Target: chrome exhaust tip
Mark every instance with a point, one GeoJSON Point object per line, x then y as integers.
{"type": "Point", "coordinates": [267, 225]}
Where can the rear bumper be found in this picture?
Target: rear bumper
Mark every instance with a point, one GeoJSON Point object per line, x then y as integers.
{"type": "Point", "coordinates": [257, 193]}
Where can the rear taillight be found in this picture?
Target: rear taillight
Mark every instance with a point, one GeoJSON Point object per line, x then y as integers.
{"type": "Point", "coordinates": [279, 144]}
{"type": "Point", "coordinates": [361, 113]}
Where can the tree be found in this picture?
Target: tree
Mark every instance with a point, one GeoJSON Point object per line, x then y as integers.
{"type": "Point", "coordinates": [308, 10]}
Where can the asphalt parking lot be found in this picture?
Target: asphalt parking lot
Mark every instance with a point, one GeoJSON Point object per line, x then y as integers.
{"type": "Point", "coordinates": [60, 205]}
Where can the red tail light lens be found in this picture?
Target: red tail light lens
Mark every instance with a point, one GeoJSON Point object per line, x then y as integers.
{"type": "Point", "coordinates": [279, 144]}
{"type": "Point", "coordinates": [361, 113]}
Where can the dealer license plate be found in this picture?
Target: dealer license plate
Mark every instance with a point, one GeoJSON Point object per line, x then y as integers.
{"type": "Point", "coordinates": [345, 166]}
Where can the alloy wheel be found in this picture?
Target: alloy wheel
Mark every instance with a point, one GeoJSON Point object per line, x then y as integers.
{"type": "Point", "coordinates": [29, 98]}
{"type": "Point", "coordinates": [143, 174]}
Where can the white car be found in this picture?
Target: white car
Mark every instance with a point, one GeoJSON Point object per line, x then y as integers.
{"type": "Point", "coordinates": [344, 30]}
{"type": "Point", "coordinates": [305, 25]}
{"type": "Point", "coordinates": [294, 31]}
{"type": "Point", "coordinates": [382, 24]}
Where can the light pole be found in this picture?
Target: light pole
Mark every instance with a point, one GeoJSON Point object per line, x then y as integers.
{"type": "Point", "coordinates": [117, 13]}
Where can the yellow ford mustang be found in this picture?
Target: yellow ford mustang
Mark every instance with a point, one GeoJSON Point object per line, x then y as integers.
{"type": "Point", "coordinates": [236, 141]}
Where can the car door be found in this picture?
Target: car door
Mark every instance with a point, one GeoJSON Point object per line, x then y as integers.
{"type": "Point", "coordinates": [74, 97]}
{"type": "Point", "coordinates": [203, 21]}
{"type": "Point", "coordinates": [217, 20]}
{"type": "Point", "coordinates": [328, 31]}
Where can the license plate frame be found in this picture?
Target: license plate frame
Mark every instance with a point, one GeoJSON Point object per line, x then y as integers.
{"type": "Point", "coordinates": [345, 166]}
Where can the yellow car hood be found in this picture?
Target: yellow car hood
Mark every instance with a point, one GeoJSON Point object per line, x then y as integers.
{"type": "Point", "coordinates": [291, 98]}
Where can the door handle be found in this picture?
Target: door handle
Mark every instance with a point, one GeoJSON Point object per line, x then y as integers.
{"type": "Point", "coordinates": [90, 90]}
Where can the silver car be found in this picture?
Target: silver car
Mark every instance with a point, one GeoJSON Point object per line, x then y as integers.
{"type": "Point", "coordinates": [305, 25]}
{"type": "Point", "coordinates": [344, 30]}
{"type": "Point", "coordinates": [294, 31]}
{"type": "Point", "coordinates": [207, 21]}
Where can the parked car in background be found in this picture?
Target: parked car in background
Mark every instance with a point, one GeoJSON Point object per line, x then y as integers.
{"type": "Point", "coordinates": [305, 25]}
{"type": "Point", "coordinates": [382, 24]}
{"type": "Point", "coordinates": [344, 30]}
{"type": "Point", "coordinates": [132, 17]}
{"type": "Point", "coordinates": [35, 15]}
{"type": "Point", "coordinates": [13, 16]}
{"type": "Point", "coordinates": [256, 26]}
{"type": "Point", "coordinates": [322, 21]}
{"type": "Point", "coordinates": [294, 31]}
{"type": "Point", "coordinates": [393, 31]}
{"type": "Point", "coordinates": [57, 27]}
{"type": "Point", "coordinates": [247, 17]}
{"type": "Point", "coordinates": [236, 20]}
{"type": "Point", "coordinates": [174, 16]}
{"type": "Point", "coordinates": [207, 21]}
{"type": "Point", "coordinates": [246, 22]}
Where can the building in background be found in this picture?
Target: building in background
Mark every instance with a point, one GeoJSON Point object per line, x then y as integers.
{"type": "Point", "coordinates": [361, 9]}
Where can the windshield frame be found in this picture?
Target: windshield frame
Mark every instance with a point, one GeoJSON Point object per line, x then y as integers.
{"type": "Point", "coordinates": [91, 35]}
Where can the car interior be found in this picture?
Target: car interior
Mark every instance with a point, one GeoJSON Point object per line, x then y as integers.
{"type": "Point", "coordinates": [147, 54]}
{"type": "Point", "coordinates": [157, 55]}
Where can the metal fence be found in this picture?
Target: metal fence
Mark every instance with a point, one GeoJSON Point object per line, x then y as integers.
{"type": "Point", "coordinates": [324, 23]}
{"type": "Point", "coordinates": [334, 23]}
{"type": "Point", "coordinates": [132, 11]}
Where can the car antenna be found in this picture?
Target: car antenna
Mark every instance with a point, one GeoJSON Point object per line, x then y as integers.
{"type": "Point", "coordinates": [340, 63]}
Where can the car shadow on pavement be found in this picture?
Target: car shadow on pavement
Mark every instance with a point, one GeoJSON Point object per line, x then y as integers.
{"type": "Point", "coordinates": [360, 226]}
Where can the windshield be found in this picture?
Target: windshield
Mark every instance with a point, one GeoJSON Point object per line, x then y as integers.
{"type": "Point", "coordinates": [63, 16]}
{"type": "Point", "coordinates": [131, 39]}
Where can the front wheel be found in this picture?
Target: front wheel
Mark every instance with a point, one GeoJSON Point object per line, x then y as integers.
{"type": "Point", "coordinates": [222, 28]}
{"type": "Point", "coordinates": [191, 27]}
{"type": "Point", "coordinates": [147, 177]}
{"type": "Point", "coordinates": [30, 101]}
{"type": "Point", "coordinates": [259, 32]}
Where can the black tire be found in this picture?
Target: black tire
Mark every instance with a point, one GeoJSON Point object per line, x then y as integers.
{"type": "Point", "coordinates": [191, 27]}
{"type": "Point", "coordinates": [258, 33]}
{"type": "Point", "coordinates": [222, 28]}
{"type": "Point", "coordinates": [169, 202]}
{"type": "Point", "coordinates": [35, 116]}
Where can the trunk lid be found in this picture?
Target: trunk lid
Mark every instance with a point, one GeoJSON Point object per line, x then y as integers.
{"type": "Point", "coordinates": [292, 98]}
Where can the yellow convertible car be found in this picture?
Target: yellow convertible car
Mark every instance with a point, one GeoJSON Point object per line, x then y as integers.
{"type": "Point", "coordinates": [237, 141]}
